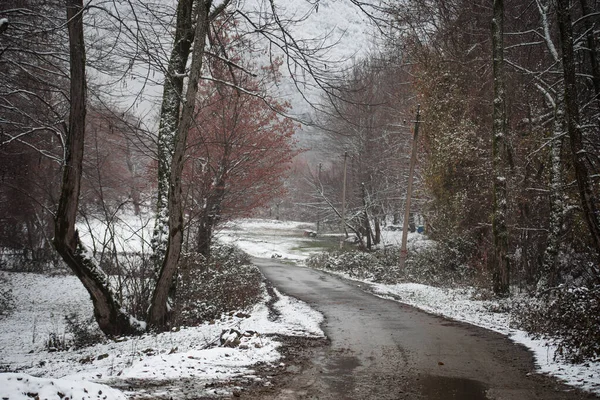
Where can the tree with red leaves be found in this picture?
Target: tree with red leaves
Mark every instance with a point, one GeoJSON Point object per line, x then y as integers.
{"type": "Point", "coordinates": [240, 149]}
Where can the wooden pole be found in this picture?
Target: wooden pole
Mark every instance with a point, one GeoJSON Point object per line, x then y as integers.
{"type": "Point", "coordinates": [413, 160]}
{"type": "Point", "coordinates": [318, 212]}
{"type": "Point", "coordinates": [343, 211]}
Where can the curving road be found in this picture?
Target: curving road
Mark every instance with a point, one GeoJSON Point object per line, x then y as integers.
{"type": "Point", "coordinates": [381, 349]}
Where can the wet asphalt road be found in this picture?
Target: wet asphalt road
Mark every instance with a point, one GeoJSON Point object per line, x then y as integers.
{"type": "Point", "coordinates": [381, 349]}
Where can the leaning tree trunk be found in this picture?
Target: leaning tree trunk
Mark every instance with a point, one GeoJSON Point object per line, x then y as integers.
{"type": "Point", "coordinates": [169, 121]}
{"type": "Point", "coordinates": [589, 199]}
{"type": "Point", "coordinates": [501, 262]}
{"type": "Point", "coordinates": [158, 314]}
{"type": "Point", "coordinates": [107, 310]}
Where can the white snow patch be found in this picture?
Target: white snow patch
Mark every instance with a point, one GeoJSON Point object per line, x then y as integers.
{"type": "Point", "coordinates": [128, 233]}
{"type": "Point", "coordinates": [189, 352]}
{"type": "Point", "coordinates": [268, 238]}
{"type": "Point", "coordinates": [25, 387]}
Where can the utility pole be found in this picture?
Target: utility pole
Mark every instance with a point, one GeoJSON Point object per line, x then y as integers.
{"type": "Point", "coordinates": [318, 212]}
{"type": "Point", "coordinates": [411, 172]}
{"type": "Point", "coordinates": [343, 211]}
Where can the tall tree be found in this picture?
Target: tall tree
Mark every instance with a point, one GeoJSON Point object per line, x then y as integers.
{"type": "Point", "coordinates": [169, 120]}
{"type": "Point", "coordinates": [109, 315]}
{"type": "Point", "coordinates": [33, 108]}
{"type": "Point", "coordinates": [588, 197]}
{"type": "Point", "coordinates": [500, 151]}
{"type": "Point", "coordinates": [240, 148]}
{"type": "Point", "coordinates": [158, 313]}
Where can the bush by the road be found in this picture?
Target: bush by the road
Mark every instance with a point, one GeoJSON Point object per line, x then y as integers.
{"type": "Point", "coordinates": [434, 264]}
{"type": "Point", "coordinates": [207, 288]}
{"type": "Point", "coordinates": [376, 266]}
{"type": "Point", "coordinates": [443, 263]}
{"type": "Point", "coordinates": [570, 316]}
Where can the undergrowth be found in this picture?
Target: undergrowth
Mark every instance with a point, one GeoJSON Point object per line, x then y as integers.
{"type": "Point", "coordinates": [570, 317]}
{"type": "Point", "coordinates": [207, 288]}
{"type": "Point", "coordinates": [433, 264]}
{"type": "Point", "coordinates": [78, 333]}
{"type": "Point", "coordinates": [6, 298]}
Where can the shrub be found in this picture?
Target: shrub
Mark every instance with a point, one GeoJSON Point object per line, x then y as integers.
{"type": "Point", "coordinates": [84, 332]}
{"type": "Point", "coordinates": [223, 283]}
{"type": "Point", "coordinates": [78, 333]}
{"type": "Point", "coordinates": [6, 298]}
{"type": "Point", "coordinates": [356, 264]}
{"type": "Point", "coordinates": [381, 266]}
{"type": "Point", "coordinates": [571, 316]}
{"type": "Point", "coordinates": [442, 263]}
{"type": "Point", "coordinates": [436, 263]}
{"type": "Point", "coordinates": [134, 281]}
{"type": "Point", "coordinates": [56, 342]}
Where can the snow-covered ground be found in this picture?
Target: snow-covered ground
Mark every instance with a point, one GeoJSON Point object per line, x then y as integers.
{"type": "Point", "coordinates": [195, 352]}
{"type": "Point", "coordinates": [287, 239]}
{"type": "Point", "coordinates": [269, 238]}
{"type": "Point", "coordinates": [127, 233]}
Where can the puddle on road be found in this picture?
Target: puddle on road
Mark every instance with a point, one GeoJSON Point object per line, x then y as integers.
{"type": "Point", "coordinates": [337, 373]}
{"type": "Point", "coordinates": [448, 388]}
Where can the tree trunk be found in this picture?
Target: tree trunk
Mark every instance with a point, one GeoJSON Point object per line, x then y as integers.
{"type": "Point", "coordinates": [158, 315]}
{"type": "Point", "coordinates": [211, 215]}
{"type": "Point", "coordinates": [587, 196]}
{"type": "Point", "coordinates": [169, 121]}
{"type": "Point", "coordinates": [592, 48]}
{"type": "Point", "coordinates": [107, 310]}
{"type": "Point", "coordinates": [548, 273]}
{"type": "Point", "coordinates": [366, 221]}
{"type": "Point", "coordinates": [204, 236]}
{"type": "Point", "coordinates": [501, 262]}
{"type": "Point", "coordinates": [377, 238]}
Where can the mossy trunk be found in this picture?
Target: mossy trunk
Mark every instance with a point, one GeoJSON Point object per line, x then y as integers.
{"type": "Point", "coordinates": [169, 122]}
{"type": "Point", "coordinates": [159, 308]}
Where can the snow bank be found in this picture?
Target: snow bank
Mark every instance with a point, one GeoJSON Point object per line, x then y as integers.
{"type": "Point", "coordinates": [193, 352]}
{"type": "Point", "coordinates": [26, 387]}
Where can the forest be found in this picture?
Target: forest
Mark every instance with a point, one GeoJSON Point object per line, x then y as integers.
{"type": "Point", "coordinates": [505, 95]}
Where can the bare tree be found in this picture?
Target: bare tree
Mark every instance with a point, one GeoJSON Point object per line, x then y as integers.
{"type": "Point", "coordinates": [33, 106]}
{"type": "Point", "coordinates": [588, 197]}
{"type": "Point", "coordinates": [109, 315]}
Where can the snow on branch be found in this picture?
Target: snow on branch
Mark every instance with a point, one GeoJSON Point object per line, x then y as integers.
{"type": "Point", "coordinates": [3, 25]}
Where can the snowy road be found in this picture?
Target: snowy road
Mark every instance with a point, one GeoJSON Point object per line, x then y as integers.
{"type": "Point", "coordinates": [382, 349]}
